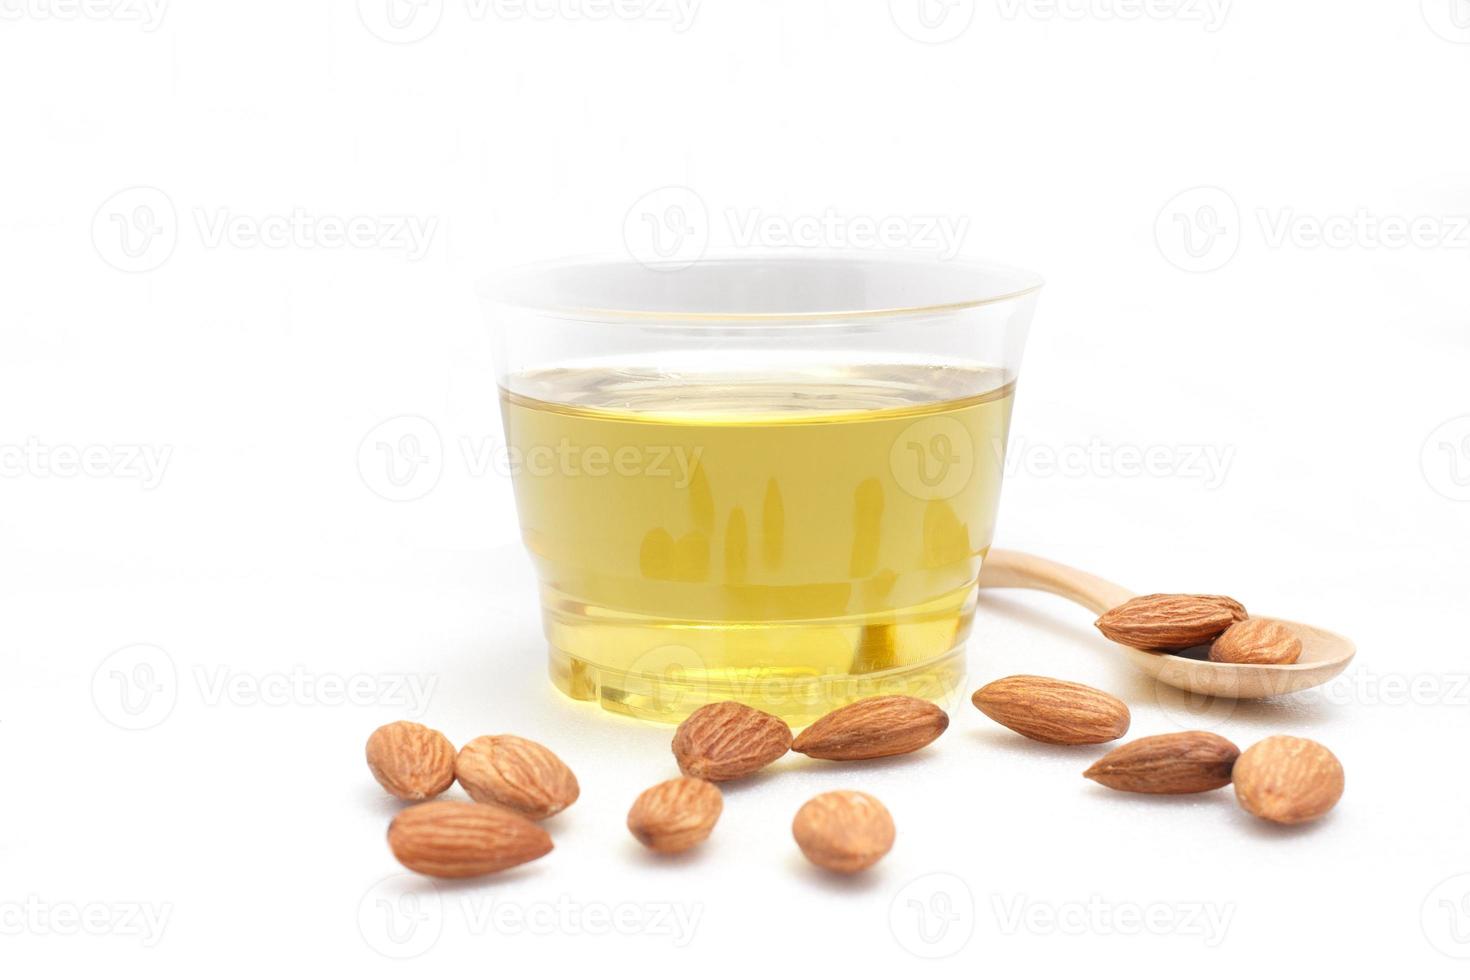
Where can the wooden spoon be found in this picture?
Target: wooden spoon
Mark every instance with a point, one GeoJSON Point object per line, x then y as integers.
{"type": "Point", "coordinates": [1324, 654]}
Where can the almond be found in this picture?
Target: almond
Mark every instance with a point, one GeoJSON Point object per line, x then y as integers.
{"type": "Point", "coordinates": [411, 761]}
{"type": "Point", "coordinates": [675, 815]}
{"type": "Point", "coordinates": [1184, 762]}
{"type": "Point", "coordinates": [1169, 622]}
{"type": "Point", "coordinates": [843, 831]}
{"type": "Point", "coordinates": [728, 740]}
{"type": "Point", "coordinates": [1049, 710]}
{"type": "Point", "coordinates": [450, 839]}
{"type": "Point", "coordinates": [516, 773]}
{"type": "Point", "coordinates": [1257, 641]}
{"type": "Point", "coordinates": [1289, 780]}
{"type": "Point", "coordinates": [873, 728]}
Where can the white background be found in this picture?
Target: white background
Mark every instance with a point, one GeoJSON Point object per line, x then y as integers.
{"type": "Point", "coordinates": [263, 563]}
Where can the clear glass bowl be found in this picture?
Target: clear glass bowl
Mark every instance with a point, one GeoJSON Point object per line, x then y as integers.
{"type": "Point", "coordinates": [766, 478]}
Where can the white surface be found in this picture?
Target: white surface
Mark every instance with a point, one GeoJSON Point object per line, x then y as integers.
{"type": "Point", "coordinates": [245, 817]}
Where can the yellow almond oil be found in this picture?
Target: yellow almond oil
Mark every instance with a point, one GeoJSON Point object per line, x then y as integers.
{"type": "Point", "coordinates": [792, 540]}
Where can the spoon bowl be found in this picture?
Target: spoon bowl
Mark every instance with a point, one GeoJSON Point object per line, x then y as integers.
{"type": "Point", "coordinates": [1324, 654]}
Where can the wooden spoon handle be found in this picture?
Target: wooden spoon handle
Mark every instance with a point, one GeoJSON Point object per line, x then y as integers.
{"type": "Point", "coordinates": [1017, 570]}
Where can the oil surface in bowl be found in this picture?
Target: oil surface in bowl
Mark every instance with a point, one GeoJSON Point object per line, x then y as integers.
{"type": "Point", "coordinates": [792, 540]}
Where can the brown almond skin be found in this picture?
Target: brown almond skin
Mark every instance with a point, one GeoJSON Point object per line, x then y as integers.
{"type": "Point", "coordinates": [729, 740]}
{"type": "Point", "coordinates": [675, 815]}
{"type": "Point", "coordinates": [1257, 641]}
{"type": "Point", "coordinates": [1169, 621]}
{"type": "Point", "coordinates": [516, 773]}
{"type": "Point", "coordinates": [1182, 762]}
{"type": "Point", "coordinates": [452, 839]}
{"type": "Point", "coordinates": [1288, 780]}
{"type": "Point", "coordinates": [1053, 711]}
{"type": "Point", "coordinates": [411, 761]}
{"type": "Point", "coordinates": [873, 728]}
{"type": "Point", "coordinates": [843, 831]}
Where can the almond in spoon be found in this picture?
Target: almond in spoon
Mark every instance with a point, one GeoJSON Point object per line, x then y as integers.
{"type": "Point", "coordinates": [1257, 641]}
{"type": "Point", "coordinates": [1183, 762]}
{"type": "Point", "coordinates": [1169, 621]}
{"type": "Point", "coordinates": [1053, 711]}
{"type": "Point", "coordinates": [873, 728]}
{"type": "Point", "coordinates": [729, 740]}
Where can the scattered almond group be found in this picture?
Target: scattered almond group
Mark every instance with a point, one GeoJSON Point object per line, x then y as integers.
{"type": "Point", "coordinates": [514, 782]}
{"type": "Point", "coordinates": [1283, 779]}
{"type": "Point", "coordinates": [842, 832]}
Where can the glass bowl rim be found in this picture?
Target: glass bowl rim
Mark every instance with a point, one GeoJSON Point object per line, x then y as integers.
{"type": "Point", "coordinates": [512, 287]}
